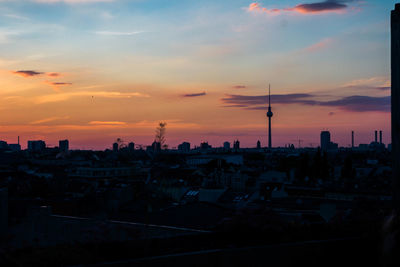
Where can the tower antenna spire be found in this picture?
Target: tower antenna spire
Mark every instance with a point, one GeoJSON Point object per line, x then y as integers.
{"type": "Point", "coordinates": [269, 95]}
{"type": "Point", "coordinates": [269, 115]}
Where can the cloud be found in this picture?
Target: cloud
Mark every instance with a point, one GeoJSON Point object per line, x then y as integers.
{"type": "Point", "coordinates": [319, 7]}
{"type": "Point", "coordinates": [112, 33]}
{"type": "Point", "coordinates": [194, 95]}
{"type": "Point", "coordinates": [356, 103]}
{"type": "Point", "coordinates": [71, 1]}
{"type": "Point", "coordinates": [53, 74]}
{"type": "Point", "coordinates": [27, 73]}
{"type": "Point", "coordinates": [58, 83]}
{"type": "Point", "coordinates": [103, 94]}
{"type": "Point", "coordinates": [251, 101]}
{"type": "Point", "coordinates": [320, 45]}
{"type": "Point", "coordinates": [107, 123]}
{"type": "Point", "coordinates": [328, 6]}
{"type": "Point", "coordinates": [380, 82]}
{"type": "Point", "coordinates": [361, 103]}
{"type": "Point", "coordinates": [45, 120]}
{"type": "Point", "coordinates": [15, 16]}
{"type": "Point", "coordinates": [239, 87]}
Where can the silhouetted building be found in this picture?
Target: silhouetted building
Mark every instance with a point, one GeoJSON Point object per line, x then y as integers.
{"type": "Point", "coordinates": [380, 137]}
{"type": "Point", "coordinates": [326, 144]}
{"type": "Point", "coordinates": [325, 140]}
{"type": "Point", "coordinates": [395, 99]}
{"type": "Point", "coordinates": [3, 145]}
{"type": "Point", "coordinates": [258, 144]}
{"type": "Point", "coordinates": [352, 139]}
{"type": "Point", "coordinates": [204, 145]}
{"type": "Point", "coordinates": [269, 115]}
{"type": "Point", "coordinates": [236, 144]}
{"type": "Point", "coordinates": [227, 145]}
{"type": "Point", "coordinates": [115, 147]}
{"type": "Point", "coordinates": [131, 146]}
{"type": "Point", "coordinates": [63, 145]}
{"type": "Point", "coordinates": [184, 147]}
{"type": "Point", "coordinates": [156, 147]}
{"type": "Point", "coordinates": [376, 136]}
{"type": "Point", "coordinates": [3, 210]}
{"type": "Point", "coordinates": [36, 145]}
{"type": "Point", "coordinates": [14, 147]}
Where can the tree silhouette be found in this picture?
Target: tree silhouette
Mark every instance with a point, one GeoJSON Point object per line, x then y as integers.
{"type": "Point", "coordinates": [160, 134]}
{"type": "Point", "coordinates": [120, 143]}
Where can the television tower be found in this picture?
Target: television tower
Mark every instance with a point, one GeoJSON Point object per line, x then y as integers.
{"type": "Point", "coordinates": [269, 115]}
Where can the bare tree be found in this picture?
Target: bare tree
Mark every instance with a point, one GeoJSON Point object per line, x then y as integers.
{"type": "Point", "coordinates": [160, 134]}
{"type": "Point", "coordinates": [120, 143]}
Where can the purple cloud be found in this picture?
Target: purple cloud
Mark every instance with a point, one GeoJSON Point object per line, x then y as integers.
{"type": "Point", "coordinates": [194, 95]}
{"type": "Point", "coordinates": [27, 73]}
{"type": "Point", "coordinates": [356, 103]}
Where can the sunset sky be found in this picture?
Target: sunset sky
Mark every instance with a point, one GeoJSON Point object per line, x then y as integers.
{"type": "Point", "coordinates": [92, 71]}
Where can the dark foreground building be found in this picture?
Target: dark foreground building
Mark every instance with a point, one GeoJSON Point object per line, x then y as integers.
{"type": "Point", "coordinates": [395, 96]}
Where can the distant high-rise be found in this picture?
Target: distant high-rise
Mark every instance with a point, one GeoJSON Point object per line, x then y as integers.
{"type": "Point", "coordinates": [131, 146]}
{"type": "Point", "coordinates": [3, 211]}
{"type": "Point", "coordinates": [395, 99]}
{"type": "Point", "coordinates": [236, 144]}
{"type": "Point", "coordinates": [38, 145]}
{"type": "Point", "coordinates": [63, 145]}
{"type": "Point", "coordinates": [325, 140]}
{"type": "Point", "coordinates": [184, 147]}
{"type": "Point", "coordinates": [227, 145]}
{"type": "Point", "coordinates": [352, 139]}
{"type": "Point", "coordinates": [376, 136]}
{"type": "Point", "coordinates": [380, 137]}
{"type": "Point", "coordinates": [258, 144]}
{"type": "Point", "coordinates": [115, 147]}
{"type": "Point", "coordinates": [269, 115]}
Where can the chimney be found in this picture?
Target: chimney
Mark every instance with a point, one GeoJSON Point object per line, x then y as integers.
{"type": "Point", "coordinates": [18, 140]}
{"type": "Point", "coordinates": [352, 139]}
{"type": "Point", "coordinates": [380, 137]}
{"type": "Point", "coordinates": [376, 136]}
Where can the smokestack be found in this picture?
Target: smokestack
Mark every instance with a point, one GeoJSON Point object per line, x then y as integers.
{"type": "Point", "coordinates": [380, 137]}
{"type": "Point", "coordinates": [376, 136]}
{"type": "Point", "coordinates": [18, 140]}
{"type": "Point", "coordinates": [352, 139]}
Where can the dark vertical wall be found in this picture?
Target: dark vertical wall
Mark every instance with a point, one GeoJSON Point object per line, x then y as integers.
{"type": "Point", "coordinates": [395, 96]}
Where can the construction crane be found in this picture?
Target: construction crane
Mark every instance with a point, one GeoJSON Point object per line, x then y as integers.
{"type": "Point", "coordinates": [299, 141]}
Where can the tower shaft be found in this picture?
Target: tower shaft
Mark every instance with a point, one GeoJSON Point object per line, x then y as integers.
{"type": "Point", "coordinates": [269, 115]}
{"type": "Point", "coordinates": [269, 133]}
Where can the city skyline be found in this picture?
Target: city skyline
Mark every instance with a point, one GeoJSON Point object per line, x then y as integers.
{"type": "Point", "coordinates": [94, 71]}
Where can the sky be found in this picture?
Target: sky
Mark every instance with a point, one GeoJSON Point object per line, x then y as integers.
{"type": "Point", "coordinates": [92, 71]}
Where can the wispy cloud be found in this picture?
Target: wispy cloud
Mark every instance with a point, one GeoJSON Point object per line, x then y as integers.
{"type": "Point", "coordinates": [194, 95]}
{"type": "Point", "coordinates": [104, 94]}
{"type": "Point", "coordinates": [56, 85]}
{"type": "Point", "coordinates": [27, 73]}
{"type": "Point", "coordinates": [328, 6]}
{"type": "Point", "coordinates": [71, 1]}
{"type": "Point", "coordinates": [319, 45]}
{"type": "Point", "coordinates": [239, 86]}
{"type": "Point", "coordinates": [378, 81]}
{"type": "Point", "coordinates": [107, 123]}
{"type": "Point", "coordinates": [53, 74]}
{"type": "Point", "coordinates": [15, 16]}
{"type": "Point", "coordinates": [50, 119]}
{"type": "Point", "coordinates": [114, 33]}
